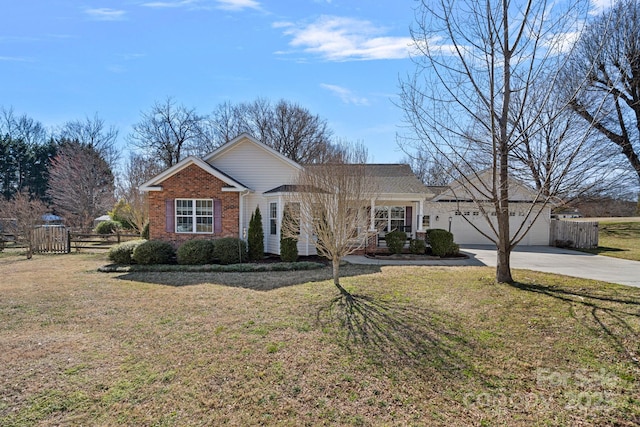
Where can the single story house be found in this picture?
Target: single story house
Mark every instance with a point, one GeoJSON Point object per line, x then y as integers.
{"type": "Point", "coordinates": [214, 197]}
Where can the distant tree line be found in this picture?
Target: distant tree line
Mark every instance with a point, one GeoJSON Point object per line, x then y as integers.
{"type": "Point", "coordinates": [75, 169]}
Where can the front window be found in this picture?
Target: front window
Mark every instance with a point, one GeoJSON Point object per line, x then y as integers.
{"type": "Point", "coordinates": [293, 210]}
{"type": "Point", "coordinates": [273, 218]}
{"type": "Point", "coordinates": [397, 218]}
{"type": "Point", "coordinates": [390, 218]}
{"type": "Point", "coordinates": [382, 218]}
{"type": "Point", "coordinates": [194, 216]}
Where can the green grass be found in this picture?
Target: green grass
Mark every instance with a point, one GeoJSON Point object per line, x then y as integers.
{"type": "Point", "coordinates": [619, 240]}
{"type": "Point", "coordinates": [423, 346]}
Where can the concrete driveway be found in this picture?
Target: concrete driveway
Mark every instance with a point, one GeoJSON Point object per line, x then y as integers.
{"type": "Point", "coordinates": [538, 258]}
{"type": "Point", "coordinates": [563, 261]}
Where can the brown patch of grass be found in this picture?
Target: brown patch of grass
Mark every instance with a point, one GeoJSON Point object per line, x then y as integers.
{"type": "Point", "coordinates": [412, 346]}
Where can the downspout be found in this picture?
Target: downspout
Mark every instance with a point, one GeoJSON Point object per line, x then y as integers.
{"type": "Point", "coordinates": [241, 230]}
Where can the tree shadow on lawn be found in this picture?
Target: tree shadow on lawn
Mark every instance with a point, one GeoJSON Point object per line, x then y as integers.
{"type": "Point", "coordinates": [601, 313]}
{"type": "Point", "coordinates": [397, 334]}
{"type": "Point", "coordinates": [258, 281]}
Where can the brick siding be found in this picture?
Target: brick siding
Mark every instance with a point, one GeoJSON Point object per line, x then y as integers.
{"type": "Point", "coordinates": [192, 183]}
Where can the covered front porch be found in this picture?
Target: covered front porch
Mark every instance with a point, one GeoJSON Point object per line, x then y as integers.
{"type": "Point", "coordinates": [391, 214]}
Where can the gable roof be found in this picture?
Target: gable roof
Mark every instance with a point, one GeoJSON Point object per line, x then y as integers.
{"type": "Point", "coordinates": [460, 190]}
{"type": "Point", "coordinates": [243, 137]}
{"type": "Point", "coordinates": [154, 183]}
{"type": "Point", "coordinates": [391, 178]}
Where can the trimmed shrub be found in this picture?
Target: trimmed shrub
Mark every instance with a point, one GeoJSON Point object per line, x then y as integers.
{"type": "Point", "coordinates": [395, 241]}
{"type": "Point", "coordinates": [108, 227]}
{"type": "Point", "coordinates": [441, 242]}
{"type": "Point", "coordinates": [122, 253]}
{"type": "Point", "coordinates": [153, 252]}
{"type": "Point", "coordinates": [255, 236]}
{"type": "Point", "coordinates": [417, 246]}
{"type": "Point", "coordinates": [230, 250]}
{"type": "Point", "coordinates": [288, 249]}
{"type": "Point", "coordinates": [288, 245]}
{"type": "Point", "coordinates": [196, 252]}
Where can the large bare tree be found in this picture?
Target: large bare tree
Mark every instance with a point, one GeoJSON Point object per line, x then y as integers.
{"type": "Point", "coordinates": [81, 184]}
{"type": "Point", "coordinates": [168, 132]}
{"type": "Point", "coordinates": [285, 126]}
{"type": "Point", "coordinates": [473, 57]}
{"type": "Point", "coordinates": [331, 201]}
{"type": "Point", "coordinates": [138, 170]}
{"type": "Point", "coordinates": [93, 132]}
{"type": "Point", "coordinates": [608, 56]}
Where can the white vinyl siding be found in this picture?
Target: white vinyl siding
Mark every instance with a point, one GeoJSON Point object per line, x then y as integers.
{"type": "Point", "coordinates": [255, 167]}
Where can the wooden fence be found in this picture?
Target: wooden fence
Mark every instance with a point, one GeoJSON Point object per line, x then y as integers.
{"type": "Point", "coordinates": [61, 240]}
{"type": "Point", "coordinates": [574, 234]}
{"type": "Point", "coordinates": [53, 240]}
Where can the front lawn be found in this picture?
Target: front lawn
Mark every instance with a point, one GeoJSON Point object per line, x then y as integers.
{"type": "Point", "coordinates": [422, 346]}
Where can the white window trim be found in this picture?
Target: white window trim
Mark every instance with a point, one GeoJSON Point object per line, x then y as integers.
{"type": "Point", "coordinates": [194, 216]}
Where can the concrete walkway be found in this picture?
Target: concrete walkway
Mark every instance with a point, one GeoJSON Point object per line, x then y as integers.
{"type": "Point", "coordinates": [539, 258]}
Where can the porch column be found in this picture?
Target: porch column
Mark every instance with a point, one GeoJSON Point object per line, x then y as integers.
{"type": "Point", "coordinates": [372, 225]}
{"type": "Point", "coordinates": [420, 214]}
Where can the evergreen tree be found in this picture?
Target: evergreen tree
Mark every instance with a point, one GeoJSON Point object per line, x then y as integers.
{"type": "Point", "coordinates": [255, 236]}
{"type": "Point", "coordinates": [288, 245]}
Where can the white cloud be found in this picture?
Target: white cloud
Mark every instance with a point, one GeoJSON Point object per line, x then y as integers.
{"type": "Point", "coordinates": [345, 39]}
{"type": "Point", "coordinates": [14, 59]}
{"type": "Point", "coordinates": [599, 6]}
{"type": "Point", "coordinates": [345, 94]}
{"type": "Point", "coordinates": [106, 14]}
{"type": "Point", "coordinates": [231, 5]}
{"type": "Point", "coordinates": [237, 4]}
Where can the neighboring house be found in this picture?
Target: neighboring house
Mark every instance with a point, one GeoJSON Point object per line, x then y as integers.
{"type": "Point", "coordinates": [214, 197]}
{"type": "Point", "coordinates": [565, 213]}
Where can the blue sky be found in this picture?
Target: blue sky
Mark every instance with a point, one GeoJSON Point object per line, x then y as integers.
{"type": "Point", "coordinates": [64, 60]}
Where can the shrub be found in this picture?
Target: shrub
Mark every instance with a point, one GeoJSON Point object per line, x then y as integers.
{"type": "Point", "coordinates": [153, 252]}
{"type": "Point", "coordinates": [230, 250]}
{"type": "Point", "coordinates": [395, 241]}
{"type": "Point", "coordinates": [196, 252]}
{"type": "Point", "coordinates": [441, 242]}
{"type": "Point", "coordinates": [108, 227]}
{"type": "Point", "coordinates": [255, 236]}
{"type": "Point", "coordinates": [288, 249]}
{"type": "Point", "coordinates": [145, 232]}
{"type": "Point", "coordinates": [288, 245]}
{"type": "Point", "coordinates": [121, 254]}
{"type": "Point", "coordinates": [417, 246]}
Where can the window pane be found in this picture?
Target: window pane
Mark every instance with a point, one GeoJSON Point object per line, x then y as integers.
{"type": "Point", "coordinates": [204, 225]}
{"type": "Point", "coordinates": [184, 224]}
{"type": "Point", "coordinates": [184, 207]}
{"type": "Point", "coordinates": [204, 207]}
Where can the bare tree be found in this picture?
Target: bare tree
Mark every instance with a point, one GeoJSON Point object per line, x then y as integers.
{"type": "Point", "coordinates": [608, 56]}
{"type": "Point", "coordinates": [168, 132]}
{"type": "Point", "coordinates": [20, 216]}
{"type": "Point", "coordinates": [93, 133]}
{"type": "Point", "coordinates": [472, 58]}
{"type": "Point", "coordinates": [284, 126]}
{"type": "Point", "coordinates": [137, 171]}
{"type": "Point", "coordinates": [23, 128]}
{"type": "Point", "coordinates": [81, 183]}
{"type": "Point", "coordinates": [331, 205]}
{"type": "Point", "coordinates": [429, 169]}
